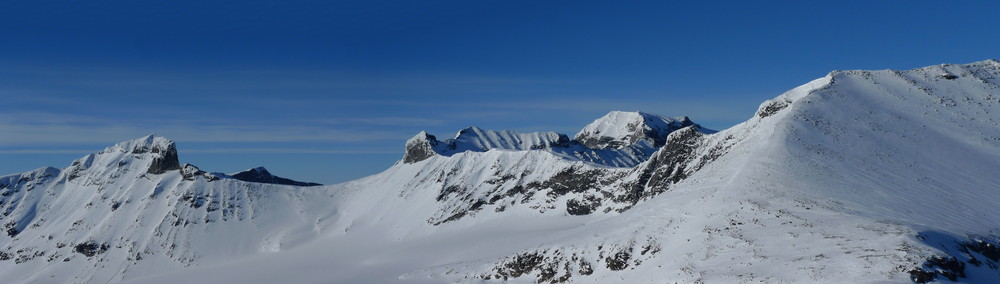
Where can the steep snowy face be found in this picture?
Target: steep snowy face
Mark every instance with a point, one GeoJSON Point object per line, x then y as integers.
{"type": "Point", "coordinates": [903, 137]}
{"type": "Point", "coordinates": [619, 129]}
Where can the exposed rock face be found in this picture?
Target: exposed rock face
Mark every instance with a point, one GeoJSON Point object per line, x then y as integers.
{"type": "Point", "coordinates": [584, 206]}
{"type": "Point", "coordinates": [190, 172]}
{"type": "Point", "coordinates": [771, 107]}
{"type": "Point", "coordinates": [958, 257]}
{"type": "Point", "coordinates": [90, 248]}
{"type": "Point", "coordinates": [561, 265]}
{"type": "Point", "coordinates": [420, 147]}
{"type": "Point", "coordinates": [166, 160]}
{"type": "Point", "coordinates": [666, 167]}
{"type": "Point", "coordinates": [261, 175]}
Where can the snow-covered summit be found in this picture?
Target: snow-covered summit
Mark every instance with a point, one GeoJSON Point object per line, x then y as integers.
{"type": "Point", "coordinates": [619, 139]}
{"type": "Point", "coordinates": [153, 154]}
{"type": "Point", "coordinates": [148, 143]}
{"type": "Point", "coordinates": [149, 154]}
{"type": "Point", "coordinates": [619, 129]}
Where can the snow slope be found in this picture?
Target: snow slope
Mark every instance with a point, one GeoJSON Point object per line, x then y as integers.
{"type": "Point", "coordinates": [859, 176]}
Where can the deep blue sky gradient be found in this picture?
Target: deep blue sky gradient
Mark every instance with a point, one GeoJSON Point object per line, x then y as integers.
{"type": "Point", "coordinates": [328, 91]}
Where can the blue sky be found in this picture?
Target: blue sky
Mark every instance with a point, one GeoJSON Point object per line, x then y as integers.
{"type": "Point", "coordinates": [328, 91]}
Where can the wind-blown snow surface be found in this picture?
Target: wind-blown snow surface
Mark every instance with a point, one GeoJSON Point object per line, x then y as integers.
{"type": "Point", "coordinates": [859, 176]}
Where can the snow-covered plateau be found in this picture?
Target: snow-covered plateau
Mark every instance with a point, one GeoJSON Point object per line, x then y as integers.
{"type": "Point", "coordinates": [855, 177]}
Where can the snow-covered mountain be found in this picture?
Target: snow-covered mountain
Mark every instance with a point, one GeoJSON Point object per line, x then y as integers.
{"type": "Point", "coordinates": [859, 176]}
{"type": "Point", "coordinates": [619, 139]}
{"type": "Point", "coordinates": [618, 129]}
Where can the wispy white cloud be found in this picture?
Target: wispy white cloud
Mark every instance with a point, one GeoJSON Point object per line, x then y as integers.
{"type": "Point", "coordinates": [212, 151]}
{"type": "Point", "coordinates": [498, 107]}
{"type": "Point", "coordinates": [315, 80]}
{"type": "Point", "coordinates": [314, 106]}
{"type": "Point", "coordinates": [22, 128]}
{"type": "Point", "coordinates": [34, 128]}
{"type": "Point", "coordinates": [46, 151]}
{"type": "Point", "coordinates": [383, 121]}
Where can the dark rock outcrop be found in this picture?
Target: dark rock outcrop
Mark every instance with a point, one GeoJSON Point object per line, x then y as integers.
{"type": "Point", "coordinates": [962, 256]}
{"type": "Point", "coordinates": [166, 160]}
{"type": "Point", "coordinates": [771, 107]}
{"type": "Point", "coordinates": [90, 248]}
{"type": "Point", "coordinates": [420, 148]}
{"type": "Point", "coordinates": [190, 172]}
{"type": "Point", "coordinates": [582, 206]}
{"type": "Point", "coordinates": [668, 166]}
{"type": "Point", "coordinates": [261, 175]}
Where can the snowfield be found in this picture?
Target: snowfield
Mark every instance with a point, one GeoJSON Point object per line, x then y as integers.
{"type": "Point", "coordinates": [856, 177]}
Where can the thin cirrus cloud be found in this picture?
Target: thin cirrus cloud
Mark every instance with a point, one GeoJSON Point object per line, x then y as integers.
{"type": "Point", "coordinates": [720, 115]}
{"type": "Point", "coordinates": [36, 128]}
{"type": "Point", "coordinates": [215, 151]}
{"type": "Point", "coordinates": [76, 106]}
{"type": "Point", "coordinates": [404, 82]}
{"type": "Point", "coordinates": [45, 151]}
{"type": "Point", "coordinates": [384, 121]}
{"type": "Point", "coordinates": [26, 128]}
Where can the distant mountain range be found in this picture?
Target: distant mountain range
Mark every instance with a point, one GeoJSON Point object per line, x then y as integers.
{"type": "Point", "coordinates": [858, 176]}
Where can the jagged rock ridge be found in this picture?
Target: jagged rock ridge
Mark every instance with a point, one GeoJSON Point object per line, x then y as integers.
{"type": "Point", "coordinates": [619, 139]}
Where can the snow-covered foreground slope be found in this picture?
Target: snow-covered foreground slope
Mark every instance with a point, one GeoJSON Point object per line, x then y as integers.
{"type": "Point", "coordinates": [859, 176]}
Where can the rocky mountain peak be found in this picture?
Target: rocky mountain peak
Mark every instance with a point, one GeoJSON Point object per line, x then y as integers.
{"type": "Point", "coordinates": [619, 129]}
{"type": "Point", "coordinates": [145, 144]}
{"type": "Point", "coordinates": [619, 139]}
{"type": "Point", "coordinates": [420, 147]}
{"type": "Point", "coordinates": [160, 152]}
